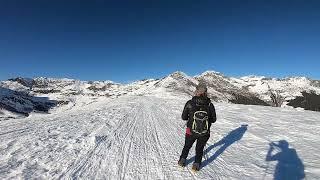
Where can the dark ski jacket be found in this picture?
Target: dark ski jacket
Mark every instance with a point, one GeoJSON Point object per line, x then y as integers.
{"type": "Point", "coordinates": [193, 105]}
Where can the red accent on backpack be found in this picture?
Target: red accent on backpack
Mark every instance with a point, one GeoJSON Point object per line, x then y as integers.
{"type": "Point", "coordinates": [188, 131]}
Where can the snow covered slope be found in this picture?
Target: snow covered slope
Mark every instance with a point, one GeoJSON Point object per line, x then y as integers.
{"type": "Point", "coordinates": [141, 137]}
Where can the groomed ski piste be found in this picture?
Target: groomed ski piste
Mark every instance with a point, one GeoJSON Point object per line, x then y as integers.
{"type": "Point", "coordinates": [141, 137]}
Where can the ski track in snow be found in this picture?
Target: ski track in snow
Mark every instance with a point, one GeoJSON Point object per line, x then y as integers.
{"type": "Point", "coordinates": [141, 137]}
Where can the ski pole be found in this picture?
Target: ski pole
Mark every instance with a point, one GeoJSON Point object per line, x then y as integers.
{"type": "Point", "coordinates": [265, 172]}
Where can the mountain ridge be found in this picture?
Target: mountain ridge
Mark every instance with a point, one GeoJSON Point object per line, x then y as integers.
{"type": "Point", "coordinates": [253, 90]}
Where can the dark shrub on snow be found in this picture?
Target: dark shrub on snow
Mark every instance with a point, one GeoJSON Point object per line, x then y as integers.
{"type": "Point", "coordinates": [308, 101]}
{"type": "Point", "coordinates": [248, 100]}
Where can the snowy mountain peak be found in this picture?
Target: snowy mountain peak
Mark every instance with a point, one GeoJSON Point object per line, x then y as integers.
{"type": "Point", "coordinates": [210, 76]}
{"type": "Point", "coordinates": [52, 79]}
{"type": "Point", "coordinates": [178, 74]}
{"type": "Point", "coordinates": [253, 77]}
{"type": "Point", "coordinates": [298, 78]}
{"type": "Point", "coordinates": [210, 72]}
{"type": "Point", "coordinates": [28, 82]}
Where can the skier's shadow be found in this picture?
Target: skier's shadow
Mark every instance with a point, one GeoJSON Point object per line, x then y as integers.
{"type": "Point", "coordinates": [289, 164]}
{"type": "Point", "coordinates": [232, 137]}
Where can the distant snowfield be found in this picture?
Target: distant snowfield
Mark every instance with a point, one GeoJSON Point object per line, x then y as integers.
{"type": "Point", "coordinates": [141, 137]}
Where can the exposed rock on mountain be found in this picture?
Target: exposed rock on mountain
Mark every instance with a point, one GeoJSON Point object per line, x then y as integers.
{"type": "Point", "coordinates": [22, 103]}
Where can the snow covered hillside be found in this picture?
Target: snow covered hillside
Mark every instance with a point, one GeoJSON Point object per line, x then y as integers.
{"type": "Point", "coordinates": [141, 137]}
{"type": "Point", "coordinates": [21, 95]}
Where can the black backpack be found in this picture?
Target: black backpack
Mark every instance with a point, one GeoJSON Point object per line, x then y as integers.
{"type": "Point", "coordinates": [200, 120]}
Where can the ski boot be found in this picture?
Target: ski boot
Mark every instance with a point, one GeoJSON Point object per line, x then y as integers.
{"type": "Point", "coordinates": [195, 167]}
{"type": "Point", "coordinates": [182, 162]}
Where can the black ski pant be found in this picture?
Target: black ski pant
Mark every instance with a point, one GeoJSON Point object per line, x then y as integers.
{"type": "Point", "coordinates": [201, 142]}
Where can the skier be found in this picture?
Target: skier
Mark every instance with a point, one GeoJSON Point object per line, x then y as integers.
{"type": "Point", "coordinates": [199, 113]}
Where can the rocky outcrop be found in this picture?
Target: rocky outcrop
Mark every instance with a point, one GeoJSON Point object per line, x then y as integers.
{"type": "Point", "coordinates": [23, 103]}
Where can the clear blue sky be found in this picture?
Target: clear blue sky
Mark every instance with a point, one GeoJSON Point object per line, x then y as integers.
{"type": "Point", "coordinates": [129, 40]}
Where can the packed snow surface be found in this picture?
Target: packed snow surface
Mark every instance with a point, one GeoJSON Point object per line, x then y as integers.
{"type": "Point", "coordinates": [141, 137]}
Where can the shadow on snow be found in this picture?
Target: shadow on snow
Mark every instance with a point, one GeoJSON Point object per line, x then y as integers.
{"type": "Point", "coordinates": [289, 166]}
{"type": "Point", "coordinates": [232, 137]}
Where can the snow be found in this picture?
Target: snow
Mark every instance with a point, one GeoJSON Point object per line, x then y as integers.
{"type": "Point", "coordinates": [134, 131]}
{"type": "Point", "coordinates": [139, 136]}
{"type": "Point", "coordinates": [209, 72]}
{"type": "Point", "coordinates": [252, 78]}
{"type": "Point", "coordinates": [289, 87]}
